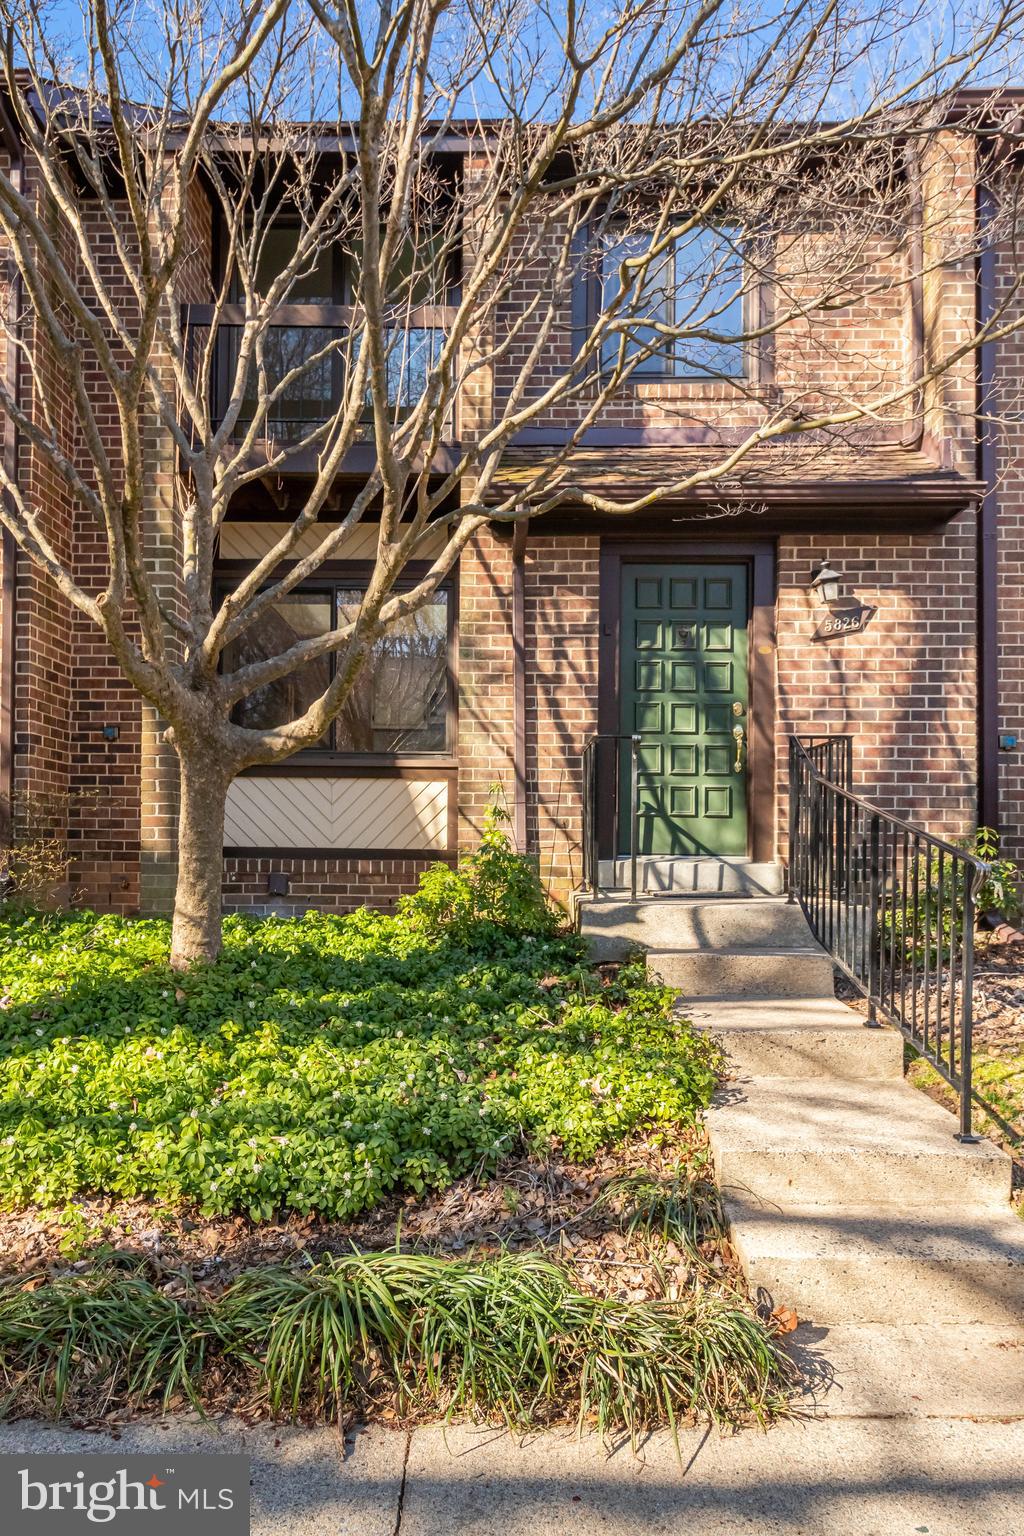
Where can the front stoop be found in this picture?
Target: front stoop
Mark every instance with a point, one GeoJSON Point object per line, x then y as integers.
{"type": "Point", "coordinates": [848, 1198]}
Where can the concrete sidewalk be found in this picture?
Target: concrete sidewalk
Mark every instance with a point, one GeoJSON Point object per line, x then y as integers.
{"type": "Point", "coordinates": [834, 1477]}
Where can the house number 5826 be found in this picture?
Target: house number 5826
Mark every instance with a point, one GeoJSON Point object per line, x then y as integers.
{"type": "Point", "coordinates": [843, 623]}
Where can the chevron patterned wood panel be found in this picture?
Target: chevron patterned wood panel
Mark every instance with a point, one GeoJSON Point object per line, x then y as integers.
{"type": "Point", "coordinates": [308, 812]}
{"type": "Point", "coordinates": [249, 541]}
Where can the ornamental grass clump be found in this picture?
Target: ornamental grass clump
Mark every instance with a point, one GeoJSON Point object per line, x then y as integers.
{"type": "Point", "coordinates": [323, 1063]}
{"type": "Point", "coordinates": [506, 1337]}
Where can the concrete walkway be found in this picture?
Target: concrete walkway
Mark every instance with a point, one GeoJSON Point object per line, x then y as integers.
{"type": "Point", "coordinates": [848, 1198]}
{"type": "Point", "coordinates": [841, 1477]}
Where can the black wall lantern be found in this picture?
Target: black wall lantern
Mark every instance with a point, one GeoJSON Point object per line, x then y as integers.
{"type": "Point", "coordinates": [827, 584]}
{"type": "Point", "coordinates": [846, 615]}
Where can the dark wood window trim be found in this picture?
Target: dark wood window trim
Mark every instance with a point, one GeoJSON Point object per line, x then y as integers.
{"type": "Point", "coordinates": [760, 557]}
{"type": "Point", "coordinates": [335, 574]}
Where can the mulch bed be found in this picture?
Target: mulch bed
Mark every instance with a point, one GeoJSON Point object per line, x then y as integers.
{"type": "Point", "coordinates": [572, 1211]}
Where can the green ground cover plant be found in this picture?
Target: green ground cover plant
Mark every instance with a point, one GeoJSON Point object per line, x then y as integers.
{"type": "Point", "coordinates": [324, 1062]}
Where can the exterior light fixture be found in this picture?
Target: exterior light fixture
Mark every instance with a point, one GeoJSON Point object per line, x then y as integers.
{"type": "Point", "coordinates": [827, 583]}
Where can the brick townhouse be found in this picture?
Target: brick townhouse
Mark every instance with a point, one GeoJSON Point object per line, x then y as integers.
{"type": "Point", "coordinates": [700, 624]}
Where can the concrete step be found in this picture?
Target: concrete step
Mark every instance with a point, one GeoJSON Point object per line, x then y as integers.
{"type": "Point", "coordinates": [910, 1371]}
{"type": "Point", "coordinates": [613, 928]}
{"type": "Point", "coordinates": [694, 876]}
{"type": "Point", "coordinates": [814, 1141]}
{"type": "Point", "coordinates": [743, 973]}
{"type": "Point", "coordinates": [878, 1264]}
{"type": "Point", "coordinates": [798, 1037]}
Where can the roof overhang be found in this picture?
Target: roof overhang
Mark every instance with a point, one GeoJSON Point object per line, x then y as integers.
{"type": "Point", "coordinates": [871, 485]}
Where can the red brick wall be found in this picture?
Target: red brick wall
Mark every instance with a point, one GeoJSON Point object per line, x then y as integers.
{"type": "Point", "coordinates": [43, 620]}
{"type": "Point", "coordinates": [333, 885]}
{"type": "Point", "coordinates": [562, 633]}
{"type": "Point", "coordinates": [485, 682]}
{"type": "Point", "coordinates": [905, 686]}
{"type": "Point", "coordinates": [1010, 533]}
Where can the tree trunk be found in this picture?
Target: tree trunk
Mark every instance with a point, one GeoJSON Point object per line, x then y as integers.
{"type": "Point", "coordinates": [196, 932]}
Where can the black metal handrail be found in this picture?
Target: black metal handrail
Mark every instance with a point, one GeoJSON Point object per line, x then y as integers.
{"type": "Point", "coordinates": [894, 906]}
{"type": "Point", "coordinates": [591, 820]}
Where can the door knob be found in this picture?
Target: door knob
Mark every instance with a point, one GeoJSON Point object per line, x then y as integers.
{"type": "Point", "coordinates": [737, 732]}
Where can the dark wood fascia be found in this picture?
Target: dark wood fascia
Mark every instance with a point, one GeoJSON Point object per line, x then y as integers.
{"type": "Point", "coordinates": [358, 463]}
{"type": "Point", "coordinates": [759, 556]}
{"type": "Point", "coordinates": [368, 765]}
{"type": "Point", "coordinates": [681, 521]}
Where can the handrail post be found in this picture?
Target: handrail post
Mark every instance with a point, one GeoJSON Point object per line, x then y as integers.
{"type": "Point", "coordinates": [874, 940]}
{"type": "Point", "coordinates": [595, 844]}
{"type": "Point", "coordinates": [794, 811]}
{"type": "Point", "coordinates": [634, 810]}
{"type": "Point", "coordinates": [973, 880]}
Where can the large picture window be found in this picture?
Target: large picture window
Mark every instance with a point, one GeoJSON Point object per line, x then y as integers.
{"type": "Point", "coordinates": [696, 287]}
{"type": "Point", "coordinates": [399, 704]}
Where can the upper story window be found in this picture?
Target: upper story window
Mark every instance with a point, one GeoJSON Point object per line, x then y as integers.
{"type": "Point", "coordinates": [684, 316]}
{"type": "Point", "coordinates": [400, 703]}
{"type": "Point", "coordinates": [426, 270]}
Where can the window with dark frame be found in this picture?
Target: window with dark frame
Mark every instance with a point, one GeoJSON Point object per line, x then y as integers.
{"type": "Point", "coordinates": [423, 277]}
{"type": "Point", "coordinates": [698, 285]}
{"type": "Point", "coordinates": [399, 705]}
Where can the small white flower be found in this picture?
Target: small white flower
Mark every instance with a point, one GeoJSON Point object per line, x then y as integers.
{"type": "Point", "coordinates": [252, 1142]}
{"type": "Point", "coordinates": [398, 1034]}
{"type": "Point", "coordinates": [133, 1126]}
{"type": "Point", "coordinates": [113, 1103]}
{"type": "Point", "coordinates": [39, 1031]}
{"type": "Point", "coordinates": [165, 993]}
{"type": "Point", "coordinates": [336, 1094]}
{"type": "Point", "coordinates": [75, 1067]}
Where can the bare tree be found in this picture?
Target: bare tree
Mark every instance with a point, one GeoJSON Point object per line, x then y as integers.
{"type": "Point", "coordinates": [476, 165]}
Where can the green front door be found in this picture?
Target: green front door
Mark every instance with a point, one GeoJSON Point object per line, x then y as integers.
{"type": "Point", "coordinates": [683, 689]}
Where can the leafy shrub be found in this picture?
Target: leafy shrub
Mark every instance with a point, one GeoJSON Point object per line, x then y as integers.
{"type": "Point", "coordinates": [1001, 892]}
{"type": "Point", "coordinates": [924, 914]}
{"type": "Point", "coordinates": [321, 1061]}
{"type": "Point", "coordinates": [492, 888]}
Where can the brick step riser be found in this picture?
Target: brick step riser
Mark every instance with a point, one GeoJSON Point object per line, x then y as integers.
{"type": "Point", "coordinates": [694, 877]}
